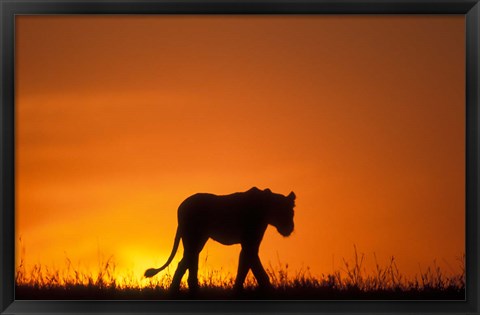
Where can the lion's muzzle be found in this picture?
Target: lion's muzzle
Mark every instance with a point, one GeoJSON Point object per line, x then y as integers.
{"type": "Point", "coordinates": [285, 230]}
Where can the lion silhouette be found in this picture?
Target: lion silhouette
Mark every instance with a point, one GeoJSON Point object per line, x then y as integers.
{"type": "Point", "coordinates": [238, 218]}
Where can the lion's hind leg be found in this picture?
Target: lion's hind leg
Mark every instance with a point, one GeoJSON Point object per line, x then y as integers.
{"type": "Point", "coordinates": [177, 277]}
{"type": "Point", "coordinates": [192, 248]}
{"type": "Point", "coordinates": [193, 273]}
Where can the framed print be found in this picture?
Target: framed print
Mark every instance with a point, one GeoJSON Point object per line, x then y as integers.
{"type": "Point", "coordinates": [229, 157]}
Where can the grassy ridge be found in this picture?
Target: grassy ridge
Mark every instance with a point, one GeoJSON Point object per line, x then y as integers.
{"type": "Point", "coordinates": [353, 282]}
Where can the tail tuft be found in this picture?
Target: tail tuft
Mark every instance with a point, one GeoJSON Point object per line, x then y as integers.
{"type": "Point", "coordinates": [150, 272]}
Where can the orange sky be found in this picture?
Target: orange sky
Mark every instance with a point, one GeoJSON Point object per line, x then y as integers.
{"type": "Point", "coordinates": [120, 118]}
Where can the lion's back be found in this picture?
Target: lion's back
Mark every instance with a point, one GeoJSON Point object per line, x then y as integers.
{"type": "Point", "coordinates": [223, 218]}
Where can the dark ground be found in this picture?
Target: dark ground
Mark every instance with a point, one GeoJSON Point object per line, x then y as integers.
{"type": "Point", "coordinates": [79, 292]}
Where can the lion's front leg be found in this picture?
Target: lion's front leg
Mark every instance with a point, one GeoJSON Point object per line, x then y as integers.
{"type": "Point", "coordinates": [243, 267]}
{"type": "Point", "coordinates": [260, 273]}
{"type": "Point", "coordinates": [249, 260]}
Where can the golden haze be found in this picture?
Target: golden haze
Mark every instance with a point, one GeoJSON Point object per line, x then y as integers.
{"type": "Point", "coordinates": [119, 118]}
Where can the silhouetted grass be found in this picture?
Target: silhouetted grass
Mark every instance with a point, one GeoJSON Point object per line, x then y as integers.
{"type": "Point", "coordinates": [350, 283]}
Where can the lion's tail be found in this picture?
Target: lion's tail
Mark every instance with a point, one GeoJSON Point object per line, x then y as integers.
{"type": "Point", "coordinates": [152, 271]}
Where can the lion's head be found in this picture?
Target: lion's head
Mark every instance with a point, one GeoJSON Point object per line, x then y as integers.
{"type": "Point", "coordinates": [280, 211]}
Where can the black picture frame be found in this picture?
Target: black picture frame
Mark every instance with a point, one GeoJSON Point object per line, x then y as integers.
{"type": "Point", "coordinates": [10, 8]}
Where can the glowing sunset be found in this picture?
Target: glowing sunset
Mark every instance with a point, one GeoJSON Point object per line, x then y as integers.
{"type": "Point", "coordinates": [120, 118]}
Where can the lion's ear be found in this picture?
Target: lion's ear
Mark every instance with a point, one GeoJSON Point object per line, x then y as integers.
{"type": "Point", "coordinates": [291, 195]}
{"type": "Point", "coordinates": [268, 190]}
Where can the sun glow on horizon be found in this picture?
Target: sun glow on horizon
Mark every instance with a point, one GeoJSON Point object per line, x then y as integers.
{"type": "Point", "coordinates": [119, 119]}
